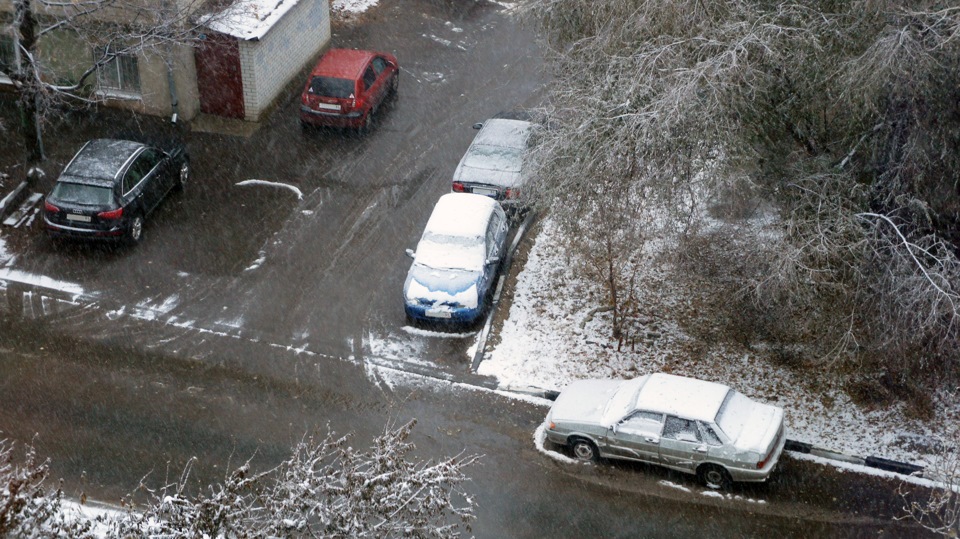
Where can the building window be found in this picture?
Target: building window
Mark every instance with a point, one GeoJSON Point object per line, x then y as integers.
{"type": "Point", "coordinates": [120, 74]}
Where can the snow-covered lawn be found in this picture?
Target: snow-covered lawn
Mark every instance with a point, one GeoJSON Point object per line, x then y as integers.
{"type": "Point", "coordinates": [550, 339]}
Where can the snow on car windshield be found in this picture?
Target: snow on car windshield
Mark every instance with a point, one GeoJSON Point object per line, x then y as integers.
{"type": "Point", "coordinates": [494, 158]}
{"type": "Point", "coordinates": [78, 193]}
{"type": "Point", "coordinates": [331, 87]}
{"type": "Point", "coordinates": [734, 414]}
{"type": "Point", "coordinates": [622, 401]}
{"type": "Point", "coordinates": [451, 252]}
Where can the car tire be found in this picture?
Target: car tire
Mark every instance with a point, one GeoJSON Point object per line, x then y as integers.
{"type": "Point", "coordinates": [714, 476]}
{"type": "Point", "coordinates": [183, 175]}
{"type": "Point", "coordinates": [134, 233]}
{"type": "Point", "coordinates": [584, 450]}
{"type": "Point", "coordinates": [394, 85]}
{"type": "Point", "coordinates": [366, 124]}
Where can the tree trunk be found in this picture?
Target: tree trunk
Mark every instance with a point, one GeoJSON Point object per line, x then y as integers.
{"type": "Point", "coordinates": [29, 86]}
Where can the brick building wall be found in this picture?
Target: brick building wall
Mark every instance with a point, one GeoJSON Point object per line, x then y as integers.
{"type": "Point", "coordinates": [268, 64]}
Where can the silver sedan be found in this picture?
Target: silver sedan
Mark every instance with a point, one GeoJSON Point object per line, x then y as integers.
{"type": "Point", "coordinates": [684, 424]}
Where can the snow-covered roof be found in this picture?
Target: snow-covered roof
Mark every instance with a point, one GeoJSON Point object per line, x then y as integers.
{"type": "Point", "coordinates": [684, 397]}
{"type": "Point", "coordinates": [249, 19]}
{"type": "Point", "coordinates": [461, 214]}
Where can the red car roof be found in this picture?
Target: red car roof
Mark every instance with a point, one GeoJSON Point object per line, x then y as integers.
{"type": "Point", "coordinates": [342, 63]}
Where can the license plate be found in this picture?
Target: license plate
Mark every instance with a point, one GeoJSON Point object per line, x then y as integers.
{"type": "Point", "coordinates": [81, 218]}
{"type": "Point", "coordinates": [436, 313]}
{"type": "Point", "coordinates": [327, 106]}
{"type": "Point", "coordinates": [485, 192]}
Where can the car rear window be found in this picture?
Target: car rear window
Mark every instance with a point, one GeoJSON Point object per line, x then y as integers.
{"type": "Point", "coordinates": [331, 87]}
{"type": "Point", "coordinates": [78, 193]}
{"type": "Point", "coordinates": [494, 158]}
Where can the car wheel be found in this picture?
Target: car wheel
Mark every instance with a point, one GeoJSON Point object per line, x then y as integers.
{"type": "Point", "coordinates": [135, 231]}
{"type": "Point", "coordinates": [395, 85]}
{"type": "Point", "coordinates": [714, 476]}
{"type": "Point", "coordinates": [584, 450]}
{"type": "Point", "coordinates": [184, 175]}
{"type": "Point", "coordinates": [367, 123]}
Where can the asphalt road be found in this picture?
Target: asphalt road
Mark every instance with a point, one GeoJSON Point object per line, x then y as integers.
{"type": "Point", "coordinates": [249, 316]}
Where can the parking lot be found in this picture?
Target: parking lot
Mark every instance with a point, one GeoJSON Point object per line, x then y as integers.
{"type": "Point", "coordinates": [249, 315]}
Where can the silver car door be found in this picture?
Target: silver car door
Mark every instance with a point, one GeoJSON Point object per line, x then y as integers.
{"type": "Point", "coordinates": [682, 446]}
{"type": "Point", "coordinates": [637, 436]}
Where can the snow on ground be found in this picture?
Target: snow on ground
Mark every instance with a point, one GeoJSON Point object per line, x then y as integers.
{"type": "Point", "coordinates": [293, 188]}
{"type": "Point", "coordinates": [552, 336]}
{"type": "Point", "coordinates": [352, 6]}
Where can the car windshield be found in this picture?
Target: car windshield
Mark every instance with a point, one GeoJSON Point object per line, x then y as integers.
{"type": "Point", "coordinates": [451, 252]}
{"type": "Point", "coordinates": [494, 158]}
{"type": "Point", "coordinates": [331, 87]}
{"type": "Point", "coordinates": [622, 401]}
{"type": "Point", "coordinates": [78, 193]}
{"type": "Point", "coordinates": [734, 413]}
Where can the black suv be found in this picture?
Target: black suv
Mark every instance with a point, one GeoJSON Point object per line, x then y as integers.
{"type": "Point", "coordinates": [109, 188]}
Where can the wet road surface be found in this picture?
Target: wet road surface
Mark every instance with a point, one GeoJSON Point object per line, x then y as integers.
{"type": "Point", "coordinates": [249, 316]}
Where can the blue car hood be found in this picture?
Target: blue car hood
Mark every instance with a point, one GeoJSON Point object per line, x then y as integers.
{"type": "Point", "coordinates": [432, 286]}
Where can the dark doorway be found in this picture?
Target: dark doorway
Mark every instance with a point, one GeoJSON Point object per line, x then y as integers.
{"type": "Point", "coordinates": [219, 79]}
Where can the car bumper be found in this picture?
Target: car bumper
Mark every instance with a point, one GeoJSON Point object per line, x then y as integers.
{"type": "Point", "coordinates": [330, 119]}
{"type": "Point", "coordinates": [745, 475]}
{"type": "Point", "coordinates": [443, 316]}
{"type": "Point", "coordinates": [57, 230]}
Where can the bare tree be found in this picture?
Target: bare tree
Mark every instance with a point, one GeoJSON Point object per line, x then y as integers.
{"type": "Point", "coordinates": [843, 116]}
{"type": "Point", "coordinates": [111, 28]}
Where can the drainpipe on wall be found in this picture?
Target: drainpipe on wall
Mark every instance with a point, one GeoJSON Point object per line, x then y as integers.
{"type": "Point", "coordinates": [173, 88]}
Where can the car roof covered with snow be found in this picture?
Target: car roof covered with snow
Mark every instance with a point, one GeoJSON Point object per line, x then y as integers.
{"type": "Point", "coordinates": [681, 396]}
{"type": "Point", "coordinates": [461, 214]}
{"type": "Point", "coordinates": [100, 161]}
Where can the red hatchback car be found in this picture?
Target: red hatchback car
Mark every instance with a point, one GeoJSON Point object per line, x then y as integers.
{"type": "Point", "coordinates": [347, 87]}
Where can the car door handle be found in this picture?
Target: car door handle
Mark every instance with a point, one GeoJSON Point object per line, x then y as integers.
{"type": "Point", "coordinates": [652, 439]}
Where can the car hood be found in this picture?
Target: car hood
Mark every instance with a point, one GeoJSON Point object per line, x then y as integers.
{"type": "Point", "coordinates": [584, 401]}
{"type": "Point", "coordinates": [761, 428]}
{"type": "Point", "coordinates": [432, 286]}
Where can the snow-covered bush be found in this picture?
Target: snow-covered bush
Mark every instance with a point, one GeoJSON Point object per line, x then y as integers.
{"type": "Point", "coordinates": [325, 489]}
{"type": "Point", "coordinates": [28, 509]}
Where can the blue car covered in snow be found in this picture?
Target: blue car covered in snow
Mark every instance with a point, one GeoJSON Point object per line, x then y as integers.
{"type": "Point", "coordinates": [457, 260]}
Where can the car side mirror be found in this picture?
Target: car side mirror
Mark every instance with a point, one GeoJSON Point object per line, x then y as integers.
{"type": "Point", "coordinates": [410, 253]}
{"type": "Point", "coordinates": [493, 260]}
{"type": "Point", "coordinates": [478, 125]}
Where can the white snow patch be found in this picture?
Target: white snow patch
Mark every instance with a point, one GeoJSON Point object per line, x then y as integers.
{"type": "Point", "coordinates": [296, 190]}
{"type": "Point", "coordinates": [671, 484]}
{"type": "Point", "coordinates": [712, 494]}
{"type": "Point", "coordinates": [42, 281]}
{"type": "Point", "coordinates": [258, 262]}
{"type": "Point", "coordinates": [438, 334]}
{"type": "Point", "coordinates": [249, 19]}
{"type": "Point", "coordinates": [539, 437]}
{"type": "Point", "coordinates": [352, 6]}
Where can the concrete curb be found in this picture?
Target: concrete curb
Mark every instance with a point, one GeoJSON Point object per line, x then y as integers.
{"type": "Point", "coordinates": [12, 200]}
{"type": "Point", "coordinates": [508, 261]}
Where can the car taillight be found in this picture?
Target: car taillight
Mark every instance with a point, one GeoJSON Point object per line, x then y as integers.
{"type": "Point", "coordinates": [458, 187]}
{"type": "Point", "coordinates": [50, 207]}
{"type": "Point", "coordinates": [512, 193]}
{"type": "Point", "coordinates": [112, 214]}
